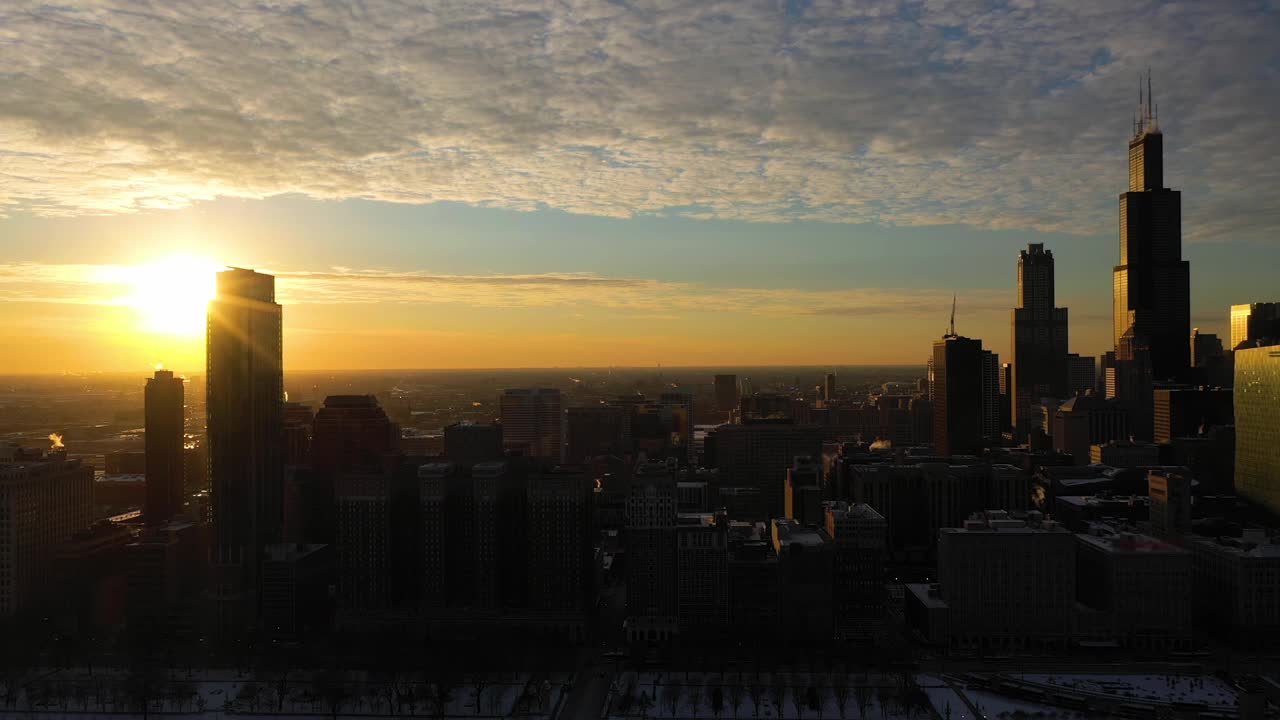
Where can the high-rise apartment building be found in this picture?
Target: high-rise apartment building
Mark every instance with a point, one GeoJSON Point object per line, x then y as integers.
{"type": "Point", "coordinates": [958, 403]}
{"type": "Point", "coordinates": [829, 387]}
{"type": "Point", "coordinates": [1257, 418]}
{"type": "Point", "coordinates": [164, 447]}
{"type": "Point", "coordinates": [244, 403]}
{"type": "Point", "coordinates": [532, 419]}
{"type": "Point", "coordinates": [1152, 284]}
{"type": "Point", "coordinates": [1253, 322]}
{"type": "Point", "coordinates": [1039, 337]}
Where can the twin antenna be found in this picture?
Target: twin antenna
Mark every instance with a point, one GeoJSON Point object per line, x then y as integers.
{"type": "Point", "coordinates": [1148, 114]}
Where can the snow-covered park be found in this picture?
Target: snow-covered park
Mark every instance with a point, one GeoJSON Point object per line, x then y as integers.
{"type": "Point", "coordinates": [1202, 689]}
{"type": "Point", "coordinates": [222, 692]}
{"type": "Point", "coordinates": [767, 695]}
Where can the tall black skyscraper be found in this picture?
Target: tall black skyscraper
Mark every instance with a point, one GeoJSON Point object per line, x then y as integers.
{"type": "Point", "coordinates": [1152, 284]}
{"type": "Point", "coordinates": [164, 452]}
{"type": "Point", "coordinates": [958, 395]}
{"type": "Point", "coordinates": [1039, 338]}
{"type": "Point", "coordinates": [245, 404]}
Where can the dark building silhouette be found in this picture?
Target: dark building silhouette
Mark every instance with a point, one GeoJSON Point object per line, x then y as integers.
{"type": "Point", "coordinates": [802, 492]}
{"type": "Point", "coordinates": [164, 443]}
{"type": "Point", "coordinates": [1189, 412]}
{"type": "Point", "coordinates": [1082, 374]}
{"type": "Point", "coordinates": [559, 559]}
{"type": "Point", "coordinates": [1088, 420]}
{"type": "Point", "coordinates": [753, 584]}
{"type": "Point", "coordinates": [858, 535]}
{"type": "Point", "coordinates": [991, 425]}
{"type": "Point", "coordinates": [1039, 337]}
{"type": "Point", "coordinates": [757, 455]}
{"type": "Point", "coordinates": [298, 419]}
{"type": "Point", "coordinates": [806, 564]}
{"type": "Point", "coordinates": [1205, 348]}
{"type": "Point", "coordinates": [532, 420]}
{"type": "Point", "coordinates": [726, 388]}
{"type": "Point", "coordinates": [702, 564]}
{"type": "Point", "coordinates": [244, 403]}
{"type": "Point", "coordinates": [652, 595]}
{"type": "Point", "coordinates": [44, 502]}
{"type": "Point", "coordinates": [351, 431]}
{"type": "Point", "coordinates": [596, 430]}
{"type": "Point", "coordinates": [958, 402]}
{"type": "Point", "coordinates": [1152, 283]}
{"type": "Point", "coordinates": [466, 442]}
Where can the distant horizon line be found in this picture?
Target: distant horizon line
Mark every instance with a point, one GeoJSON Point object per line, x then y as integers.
{"type": "Point", "coordinates": [491, 369]}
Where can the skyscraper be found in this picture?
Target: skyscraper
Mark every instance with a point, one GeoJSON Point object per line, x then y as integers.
{"type": "Point", "coordinates": [244, 404]}
{"type": "Point", "coordinates": [957, 395]}
{"type": "Point", "coordinates": [532, 418]}
{"type": "Point", "coordinates": [1257, 417]}
{"type": "Point", "coordinates": [829, 387]}
{"type": "Point", "coordinates": [1039, 337]}
{"type": "Point", "coordinates": [1082, 374]}
{"type": "Point", "coordinates": [352, 432]}
{"type": "Point", "coordinates": [1252, 322]}
{"type": "Point", "coordinates": [726, 393]}
{"type": "Point", "coordinates": [1152, 284]}
{"type": "Point", "coordinates": [163, 440]}
{"type": "Point", "coordinates": [991, 426]}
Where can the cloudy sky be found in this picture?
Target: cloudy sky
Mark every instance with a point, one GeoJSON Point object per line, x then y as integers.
{"type": "Point", "coordinates": [582, 182]}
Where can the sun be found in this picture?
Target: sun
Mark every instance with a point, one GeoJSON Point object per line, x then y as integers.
{"type": "Point", "coordinates": [170, 295]}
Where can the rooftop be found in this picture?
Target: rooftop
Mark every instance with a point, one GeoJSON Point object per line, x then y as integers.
{"type": "Point", "coordinates": [789, 532]}
{"type": "Point", "coordinates": [1130, 543]}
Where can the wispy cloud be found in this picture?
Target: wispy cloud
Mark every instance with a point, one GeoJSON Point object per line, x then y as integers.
{"type": "Point", "coordinates": [906, 112]}
{"type": "Point", "coordinates": [642, 298]}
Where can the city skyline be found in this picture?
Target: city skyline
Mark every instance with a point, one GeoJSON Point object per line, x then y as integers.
{"type": "Point", "coordinates": [854, 220]}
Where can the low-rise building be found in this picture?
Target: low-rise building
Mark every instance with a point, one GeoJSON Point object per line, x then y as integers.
{"type": "Point", "coordinates": [1134, 590]}
{"type": "Point", "coordinates": [1008, 584]}
{"type": "Point", "coordinates": [1236, 585]}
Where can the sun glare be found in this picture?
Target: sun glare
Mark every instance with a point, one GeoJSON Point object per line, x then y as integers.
{"type": "Point", "coordinates": [170, 295]}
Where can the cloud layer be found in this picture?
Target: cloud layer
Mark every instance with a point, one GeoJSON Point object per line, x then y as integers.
{"type": "Point", "coordinates": [1009, 114]}
{"type": "Point", "coordinates": [83, 284]}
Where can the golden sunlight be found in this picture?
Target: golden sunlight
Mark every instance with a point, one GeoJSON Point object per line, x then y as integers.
{"type": "Point", "coordinates": [170, 295]}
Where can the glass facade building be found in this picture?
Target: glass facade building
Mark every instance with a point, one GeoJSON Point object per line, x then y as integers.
{"type": "Point", "coordinates": [1257, 417]}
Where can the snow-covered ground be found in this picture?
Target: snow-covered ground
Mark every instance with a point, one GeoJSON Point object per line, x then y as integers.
{"type": "Point", "coordinates": [780, 696]}
{"type": "Point", "coordinates": [1204, 689]}
{"type": "Point", "coordinates": [213, 693]}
